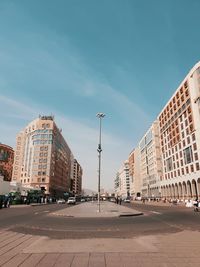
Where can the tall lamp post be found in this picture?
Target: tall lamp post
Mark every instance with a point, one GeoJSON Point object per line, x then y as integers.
{"type": "Point", "coordinates": [100, 116]}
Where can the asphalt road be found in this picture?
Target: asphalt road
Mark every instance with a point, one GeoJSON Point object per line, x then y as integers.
{"type": "Point", "coordinates": [156, 220]}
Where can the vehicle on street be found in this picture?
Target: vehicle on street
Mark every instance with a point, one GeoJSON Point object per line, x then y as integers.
{"type": "Point", "coordinates": [60, 201]}
{"type": "Point", "coordinates": [82, 199]}
{"type": "Point", "coordinates": [112, 200]}
{"type": "Point", "coordinates": [71, 200]}
{"type": "Point", "coordinates": [127, 200]}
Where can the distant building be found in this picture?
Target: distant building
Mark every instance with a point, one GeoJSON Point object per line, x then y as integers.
{"type": "Point", "coordinates": [77, 178]}
{"type": "Point", "coordinates": [122, 181]}
{"type": "Point", "coordinates": [150, 162]}
{"type": "Point", "coordinates": [134, 173]}
{"type": "Point", "coordinates": [43, 157]}
{"type": "Point", "coordinates": [6, 161]}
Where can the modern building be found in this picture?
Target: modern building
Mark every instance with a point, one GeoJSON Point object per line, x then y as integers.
{"type": "Point", "coordinates": [169, 152]}
{"type": "Point", "coordinates": [43, 157]}
{"type": "Point", "coordinates": [179, 126]}
{"type": "Point", "coordinates": [122, 182]}
{"type": "Point", "coordinates": [6, 161]}
{"type": "Point", "coordinates": [134, 173]}
{"type": "Point", "coordinates": [77, 178]}
{"type": "Point", "coordinates": [150, 162]}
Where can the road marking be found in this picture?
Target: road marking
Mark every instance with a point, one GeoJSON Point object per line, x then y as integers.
{"type": "Point", "coordinates": [155, 212]}
{"type": "Point", "coordinates": [45, 211]}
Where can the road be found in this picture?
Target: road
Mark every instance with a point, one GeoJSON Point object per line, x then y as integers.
{"type": "Point", "coordinates": [156, 220]}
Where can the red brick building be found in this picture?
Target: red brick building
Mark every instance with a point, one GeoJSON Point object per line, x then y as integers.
{"type": "Point", "coordinates": [6, 161]}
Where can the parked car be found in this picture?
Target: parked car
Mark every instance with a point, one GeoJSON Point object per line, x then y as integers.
{"type": "Point", "coordinates": [60, 201]}
{"type": "Point", "coordinates": [82, 199]}
{"type": "Point", "coordinates": [71, 200]}
{"type": "Point", "coordinates": [127, 200]}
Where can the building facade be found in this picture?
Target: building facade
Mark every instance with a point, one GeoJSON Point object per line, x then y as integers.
{"type": "Point", "coordinates": [169, 152]}
{"type": "Point", "coordinates": [134, 173]}
{"type": "Point", "coordinates": [77, 178]}
{"type": "Point", "coordinates": [6, 162]}
{"type": "Point", "coordinates": [179, 126]}
{"type": "Point", "coordinates": [42, 157]}
{"type": "Point", "coordinates": [150, 162]}
{"type": "Point", "coordinates": [122, 181]}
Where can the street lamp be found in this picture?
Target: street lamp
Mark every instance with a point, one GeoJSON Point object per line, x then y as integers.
{"type": "Point", "coordinates": [100, 116]}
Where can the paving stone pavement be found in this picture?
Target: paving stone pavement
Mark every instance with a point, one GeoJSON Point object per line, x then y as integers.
{"type": "Point", "coordinates": [175, 250]}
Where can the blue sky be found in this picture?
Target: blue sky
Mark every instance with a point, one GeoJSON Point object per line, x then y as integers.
{"type": "Point", "coordinates": [76, 58]}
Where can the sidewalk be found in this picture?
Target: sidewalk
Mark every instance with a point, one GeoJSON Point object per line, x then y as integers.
{"type": "Point", "coordinates": [158, 204]}
{"type": "Point", "coordinates": [171, 250]}
{"type": "Point", "coordinates": [90, 210]}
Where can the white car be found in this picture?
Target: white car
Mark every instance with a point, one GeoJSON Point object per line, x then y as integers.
{"type": "Point", "coordinates": [71, 200]}
{"type": "Point", "coordinates": [126, 200]}
{"type": "Point", "coordinates": [61, 201]}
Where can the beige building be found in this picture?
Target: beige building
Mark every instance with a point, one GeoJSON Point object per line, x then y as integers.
{"type": "Point", "coordinates": [42, 157]}
{"type": "Point", "coordinates": [169, 153]}
{"type": "Point", "coordinates": [179, 124]}
{"type": "Point", "coordinates": [150, 162]}
{"type": "Point", "coordinates": [77, 178]}
{"type": "Point", "coordinates": [122, 181]}
{"type": "Point", "coordinates": [134, 173]}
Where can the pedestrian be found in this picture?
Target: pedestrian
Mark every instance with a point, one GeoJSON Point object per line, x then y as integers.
{"type": "Point", "coordinates": [120, 201]}
{"type": "Point", "coordinates": [196, 205]}
{"type": "Point", "coordinates": [117, 200]}
{"type": "Point", "coordinates": [1, 202]}
{"type": "Point", "coordinates": [8, 203]}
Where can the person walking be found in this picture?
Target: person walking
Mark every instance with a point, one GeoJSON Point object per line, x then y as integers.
{"type": "Point", "coordinates": [196, 205]}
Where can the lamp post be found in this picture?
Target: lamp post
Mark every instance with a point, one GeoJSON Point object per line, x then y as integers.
{"type": "Point", "coordinates": [100, 116]}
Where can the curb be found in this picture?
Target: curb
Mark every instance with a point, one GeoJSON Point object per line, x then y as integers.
{"type": "Point", "coordinates": [131, 214]}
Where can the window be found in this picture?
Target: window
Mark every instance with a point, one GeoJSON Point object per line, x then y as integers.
{"type": "Point", "coordinates": [197, 166]}
{"type": "Point", "coordinates": [195, 146]}
{"type": "Point", "coordinates": [169, 164]}
{"type": "Point", "coordinates": [188, 155]}
{"type": "Point", "coordinates": [192, 168]}
{"type": "Point", "coordinates": [193, 137]}
{"type": "Point", "coordinates": [196, 156]}
{"type": "Point", "coordinates": [187, 169]}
